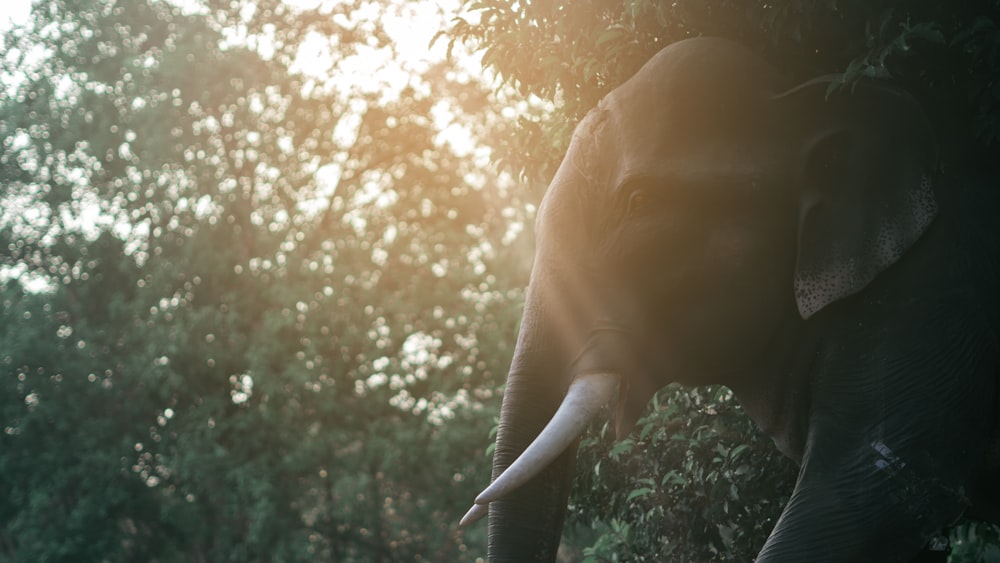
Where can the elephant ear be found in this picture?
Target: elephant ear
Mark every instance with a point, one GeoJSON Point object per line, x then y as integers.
{"type": "Point", "coordinates": [863, 174]}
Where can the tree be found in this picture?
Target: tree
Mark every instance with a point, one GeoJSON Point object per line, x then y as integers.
{"type": "Point", "coordinates": [247, 313]}
{"type": "Point", "coordinates": [571, 55]}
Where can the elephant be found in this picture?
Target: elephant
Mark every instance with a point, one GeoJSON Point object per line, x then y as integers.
{"type": "Point", "coordinates": [814, 247]}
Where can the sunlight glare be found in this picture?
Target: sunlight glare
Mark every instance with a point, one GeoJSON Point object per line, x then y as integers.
{"type": "Point", "coordinates": [14, 13]}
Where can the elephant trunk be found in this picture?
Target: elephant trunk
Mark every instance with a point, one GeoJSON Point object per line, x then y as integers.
{"type": "Point", "coordinates": [560, 377]}
{"type": "Point", "coordinates": [526, 524]}
{"type": "Point", "coordinates": [539, 425]}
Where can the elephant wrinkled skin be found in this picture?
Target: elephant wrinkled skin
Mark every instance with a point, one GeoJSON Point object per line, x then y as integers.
{"type": "Point", "coordinates": [713, 223]}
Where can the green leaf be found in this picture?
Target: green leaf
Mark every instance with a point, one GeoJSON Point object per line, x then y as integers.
{"type": "Point", "coordinates": [609, 34]}
{"type": "Point", "coordinates": [738, 450]}
{"type": "Point", "coordinates": [926, 31]}
{"type": "Point", "coordinates": [621, 447]}
{"type": "Point", "coordinates": [641, 492]}
{"type": "Point", "coordinates": [673, 478]}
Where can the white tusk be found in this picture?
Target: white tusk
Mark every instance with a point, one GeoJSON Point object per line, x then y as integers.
{"type": "Point", "coordinates": [475, 513]}
{"type": "Point", "coordinates": [586, 395]}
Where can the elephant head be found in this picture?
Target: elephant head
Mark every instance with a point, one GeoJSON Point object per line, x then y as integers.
{"type": "Point", "coordinates": [706, 213]}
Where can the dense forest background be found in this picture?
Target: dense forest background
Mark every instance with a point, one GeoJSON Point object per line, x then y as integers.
{"type": "Point", "coordinates": [261, 268]}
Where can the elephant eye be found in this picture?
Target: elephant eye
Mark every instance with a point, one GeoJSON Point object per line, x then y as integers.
{"type": "Point", "coordinates": [642, 203]}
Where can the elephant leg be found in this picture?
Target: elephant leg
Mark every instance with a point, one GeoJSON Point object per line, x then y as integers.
{"type": "Point", "coordinates": [838, 523]}
{"type": "Point", "coordinates": [897, 440]}
{"type": "Point", "coordinates": [871, 505]}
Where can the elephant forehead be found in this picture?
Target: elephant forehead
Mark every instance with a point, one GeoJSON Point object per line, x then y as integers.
{"type": "Point", "coordinates": [699, 73]}
{"type": "Point", "coordinates": [683, 116]}
{"type": "Point", "coordinates": [703, 89]}
{"type": "Point", "coordinates": [723, 155]}
{"type": "Point", "coordinates": [699, 113]}
{"type": "Point", "coordinates": [612, 151]}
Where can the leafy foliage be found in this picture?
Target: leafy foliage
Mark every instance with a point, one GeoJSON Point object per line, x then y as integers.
{"type": "Point", "coordinates": [573, 54]}
{"type": "Point", "coordinates": [245, 314]}
{"type": "Point", "coordinates": [975, 542]}
{"type": "Point", "coordinates": [696, 481]}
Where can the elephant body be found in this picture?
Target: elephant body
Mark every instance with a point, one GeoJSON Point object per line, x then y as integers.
{"type": "Point", "coordinates": [895, 428]}
{"type": "Point", "coordinates": [714, 223]}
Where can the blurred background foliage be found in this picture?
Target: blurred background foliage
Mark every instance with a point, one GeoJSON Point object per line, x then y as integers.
{"type": "Point", "coordinates": [249, 312]}
{"type": "Point", "coordinates": [256, 310]}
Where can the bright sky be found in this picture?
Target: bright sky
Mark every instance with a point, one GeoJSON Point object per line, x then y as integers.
{"type": "Point", "coordinates": [14, 11]}
{"type": "Point", "coordinates": [384, 71]}
{"type": "Point", "coordinates": [387, 71]}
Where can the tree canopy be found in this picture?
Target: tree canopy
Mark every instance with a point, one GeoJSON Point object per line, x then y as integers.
{"type": "Point", "coordinates": [572, 54]}
{"type": "Point", "coordinates": [249, 312]}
